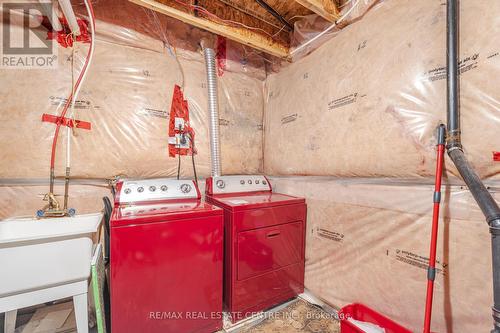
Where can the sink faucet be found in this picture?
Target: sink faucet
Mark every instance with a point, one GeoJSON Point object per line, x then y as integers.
{"type": "Point", "coordinates": [53, 209]}
{"type": "Point", "coordinates": [53, 203]}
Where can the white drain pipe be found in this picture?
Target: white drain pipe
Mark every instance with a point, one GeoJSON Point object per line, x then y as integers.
{"type": "Point", "coordinates": [70, 16]}
{"type": "Point", "coordinates": [50, 9]}
{"type": "Point", "coordinates": [213, 108]}
{"type": "Point", "coordinates": [74, 96]}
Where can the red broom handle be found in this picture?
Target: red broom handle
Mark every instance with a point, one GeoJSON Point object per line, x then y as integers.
{"type": "Point", "coordinates": [431, 271]}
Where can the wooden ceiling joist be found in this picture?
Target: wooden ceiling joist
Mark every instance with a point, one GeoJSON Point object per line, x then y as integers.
{"type": "Point", "coordinates": [324, 8]}
{"type": "Point", "coordinates": [240, 35]}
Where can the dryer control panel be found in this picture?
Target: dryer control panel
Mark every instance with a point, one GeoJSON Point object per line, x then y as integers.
{"type": "Point", "coordinates": [159, 189]}
{"type": "Point", "coordinates": [237, 184]}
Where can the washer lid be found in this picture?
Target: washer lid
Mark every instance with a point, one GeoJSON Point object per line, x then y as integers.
{"type": "Point", "coordinates": [242, 201]}
{"type": "Point", "coordinates": [162, 212]}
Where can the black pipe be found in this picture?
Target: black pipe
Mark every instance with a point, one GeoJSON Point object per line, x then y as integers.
{"type": "Point", "coordinates": [274, 13]}
{"type": "Point", "coordinates": [483, 198]}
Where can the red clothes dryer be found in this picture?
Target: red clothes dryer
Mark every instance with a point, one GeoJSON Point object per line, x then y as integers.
{"type": "Point", "coordinates": [264, 243]}
{"type": "Point", "coordinates": [166, 259]}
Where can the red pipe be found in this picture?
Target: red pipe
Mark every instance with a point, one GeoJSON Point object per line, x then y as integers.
{"type": "Point", "coordinates": [65, 109]}
{"type": "Point", "coordinates": [431, 272]}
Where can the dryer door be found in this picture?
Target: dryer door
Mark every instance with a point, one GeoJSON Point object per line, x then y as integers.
{"type": "Point", "coordinates": [266, 249]}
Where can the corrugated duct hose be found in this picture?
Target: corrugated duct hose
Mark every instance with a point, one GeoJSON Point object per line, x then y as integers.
{"type": "Point", "coordinates": [213, 108]}
{"type": "Point", "coordinates": [483, 198]}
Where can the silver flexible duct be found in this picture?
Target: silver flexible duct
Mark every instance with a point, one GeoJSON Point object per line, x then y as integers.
{"type": "Point", "coordinates": [213, 108]}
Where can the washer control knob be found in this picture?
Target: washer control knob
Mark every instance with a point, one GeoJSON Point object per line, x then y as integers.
{"type": "Point", "coordinates": [164, 188]}
{"type": "Point", "coordinates": [185, 188]}
{"type": "Point", "coordinates": [220, 183]}
{"type": "Point", "coordinates": [264, 182]}
{"type": "Point", "coordinates": [152, 188]}
{"type": "Point", "coordinates": [242, 182]}
{"type": "Point", "coordinates": [127, 191]}
{"type": "Point", "coordinates": [257, 181]}
{"type": "Point", "coordinates": [249, 181]}
{"type": "Point", "coordinates": [140, 189]}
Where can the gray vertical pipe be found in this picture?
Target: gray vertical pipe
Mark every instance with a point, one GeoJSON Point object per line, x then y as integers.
{"type": "Point", "coordinates": [495, 248]}
{"type": "Point", "coordinates": [213, 109]}
{"type": "Point", "coordinates": [483, 198]}
{"type": "Point", "coordinates": [452, 72]}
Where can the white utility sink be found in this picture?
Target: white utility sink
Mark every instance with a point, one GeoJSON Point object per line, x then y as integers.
{"type": "Point", "coordinates": [44, 260]}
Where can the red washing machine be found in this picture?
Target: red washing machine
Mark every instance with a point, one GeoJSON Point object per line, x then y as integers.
{"type": "Point", "coordinates": [264, 243]}
{"type": "Point", "coordinates": [166, 259]}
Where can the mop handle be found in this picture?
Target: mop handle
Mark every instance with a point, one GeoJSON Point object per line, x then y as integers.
{"type": "Point", "coordinates": [431, 270]}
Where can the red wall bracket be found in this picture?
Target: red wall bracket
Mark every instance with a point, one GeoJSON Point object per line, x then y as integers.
{"type": "Point", "coordinates": [64, 37]}
{"type": "Point", "coordinates": [66, 121]}
{"type": "Point", "coordinates": [179, 112]}
{"type": "Point", "coordinates": [221, 55]}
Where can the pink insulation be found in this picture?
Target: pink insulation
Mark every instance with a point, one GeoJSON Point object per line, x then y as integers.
{"type": "Point", "coordinates": [368, 242]}
{"type": "Point", "coordinates": [126, 98]}
{"type": "Point", "coordinates": [366, 103]}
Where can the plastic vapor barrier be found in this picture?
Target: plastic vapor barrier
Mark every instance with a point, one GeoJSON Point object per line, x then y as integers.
{"type": "Point", "coordinates": [127, 97]}
{"type": "Point", "coordinates": [312, 31]}
{"type": "Point", "coordinates": [25, 200]}
{"type": "Point", "coordinates": [369, 243]}
{"type": "Point", "coordinates": [367, 103]}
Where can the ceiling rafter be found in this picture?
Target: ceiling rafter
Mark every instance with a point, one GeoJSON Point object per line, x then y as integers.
{"type": "Point", "coordinates": [250, 12]}
{"type": "Point", "coordinates": [241, 35]}
{"type": "Point", "coordinates": [274, 13]}
{"type": "Point", "coordinates": [325, 8]}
